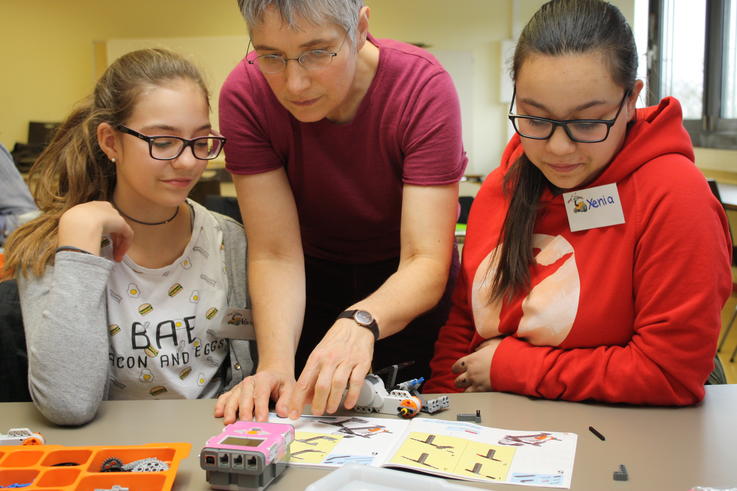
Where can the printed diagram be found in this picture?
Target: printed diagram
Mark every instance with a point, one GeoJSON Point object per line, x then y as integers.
{"type": "Point", "coordinates": [351, 430]}
{"type": "Point", "coordinates": [538, 479]}
{"type": "Point", "coordinates": [336, 440]}
{"type": "Point", "coordinates": [312, 447]}
{"type": "Point", "coordinates": [299, 455]}
{"type": "Point", "coordinates": [536, 439]}
{"type": "Point", "coordinates": [422, 460]}
{"type": "Point", "coordinates": [314, 440]}
{"type": "Point", "coordinates": [460, 450]}
{"type": "Point", "coordinates": [489, 455]}
{"type": "Point", "coordinates": [430, 441]}
{"type": "Point", "coordinates": [451, 454]}
{"type": "Point", "coordinates": [477, 468]}
{"type": "Point", "coordinates": [353, 459]}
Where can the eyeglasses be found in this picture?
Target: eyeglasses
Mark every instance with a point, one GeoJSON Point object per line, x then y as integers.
{"type": "Point", "coordinates": [578, 130]}
{"type": "Point", "coordinates": [171, 147]}
{"type": "Point", "coordinates": [313, 60]}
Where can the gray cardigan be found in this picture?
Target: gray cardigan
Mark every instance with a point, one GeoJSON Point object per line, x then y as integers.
{"type": "Point", "coordinates": [68, 367]}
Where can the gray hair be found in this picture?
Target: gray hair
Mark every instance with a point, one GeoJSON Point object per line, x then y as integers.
{"type": "Point", "coordinates": [343, 13]}
{"type": "Point", "coordinates": [563, 27]}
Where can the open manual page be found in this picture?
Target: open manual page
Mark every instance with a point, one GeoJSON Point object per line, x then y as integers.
{"type": "Point", "coordinates": [435, 446]}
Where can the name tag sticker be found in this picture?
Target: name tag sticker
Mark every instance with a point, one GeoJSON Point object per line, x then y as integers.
{"type": "Point", "coordinates": [237, 324]}
{"type": "Point", "coordinates": [593, 207]}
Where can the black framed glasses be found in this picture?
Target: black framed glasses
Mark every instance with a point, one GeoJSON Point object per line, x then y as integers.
{"type": "Point", "coordinates": [578, 130]}
{"type": "Point", "coordinates": [164, 147]}
{"type": "Point", "coordinates": [313, 60]}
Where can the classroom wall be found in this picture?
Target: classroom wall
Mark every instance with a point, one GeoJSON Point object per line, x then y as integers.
{"type": "Point", "coordinates": [48, 48]}
{"type": "Point", "coordinates": [53, 50]}
{"type": "Point", "coordinates": [716, 159]}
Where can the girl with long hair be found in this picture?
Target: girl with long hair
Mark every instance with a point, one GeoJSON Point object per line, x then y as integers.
{"type": "Point", "coordinates": [596, 261]}
{"type": "Point", "coordinates": [128, 289]}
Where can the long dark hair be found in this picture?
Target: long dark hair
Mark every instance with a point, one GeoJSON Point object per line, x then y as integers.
{"type": "Point", "coordinates": [560, 27]}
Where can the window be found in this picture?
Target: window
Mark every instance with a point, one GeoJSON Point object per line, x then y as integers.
{"type": "Point", "coordinates": [693, 58]}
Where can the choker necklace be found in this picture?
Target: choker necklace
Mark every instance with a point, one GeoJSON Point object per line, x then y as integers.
{"type": "Point", "coordinates": [176, 212]}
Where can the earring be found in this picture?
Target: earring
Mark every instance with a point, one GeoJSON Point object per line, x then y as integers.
{"type": "Point", "coordinates": [112, 160]}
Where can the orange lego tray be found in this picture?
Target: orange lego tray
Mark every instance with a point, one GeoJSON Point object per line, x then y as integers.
{"type": "Point", "coordinates": [35, 464]}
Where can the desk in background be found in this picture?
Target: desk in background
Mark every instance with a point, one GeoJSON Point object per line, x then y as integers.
{"type": "Point", "coordinates": [468, 186]}
{"type": "Point", "coordinates": [727, 184]}
{"type": "Point", "coordinates": [728, 192]}
{"type": "Point", "coordinates": [663, 448]}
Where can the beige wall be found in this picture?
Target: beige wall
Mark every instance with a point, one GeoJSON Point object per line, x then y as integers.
{"type": "Point", "coordinates": [50, 50]}
{"type": "Point", "coordinates": [716, 159]}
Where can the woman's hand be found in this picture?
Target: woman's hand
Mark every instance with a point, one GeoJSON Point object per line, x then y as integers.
{"type": "Point", "coordinates": [249, 400]}
{"type": "Point", "coordinates": [84, 225]}
{"type": "Point", "coordinates": [342, 359]}
{"type": "Point", "coordinates": [474, 370]}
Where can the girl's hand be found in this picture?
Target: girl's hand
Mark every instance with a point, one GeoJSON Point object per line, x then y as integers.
{"type": "Point", "coordinates": [474, 370]}
{"type": "Point", "coordinates": [84, 225]}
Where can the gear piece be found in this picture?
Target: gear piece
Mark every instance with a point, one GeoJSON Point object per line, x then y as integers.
{"type": "Point", "coordinates": [112, 464]}
{"type": "Point", "coordinates": [146, 465]}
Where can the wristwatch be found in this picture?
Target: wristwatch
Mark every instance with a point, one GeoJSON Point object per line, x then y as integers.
{"type": "Point", "coordinates": [363, 319]}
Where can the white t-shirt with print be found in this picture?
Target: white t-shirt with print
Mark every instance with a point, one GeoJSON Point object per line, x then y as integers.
{"type": "Point", "coordinates": [163, 323]}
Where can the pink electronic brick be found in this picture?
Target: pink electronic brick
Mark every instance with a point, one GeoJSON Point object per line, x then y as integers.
{"type": "Point", "coordinates": [247, 455]}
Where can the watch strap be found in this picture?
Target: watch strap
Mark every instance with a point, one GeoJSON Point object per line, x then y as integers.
{"type": "Point", "coordinates": [373, 326]}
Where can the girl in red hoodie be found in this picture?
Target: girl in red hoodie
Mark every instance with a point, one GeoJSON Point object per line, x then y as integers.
{"type": "Point", "coordinates": [596, 260]}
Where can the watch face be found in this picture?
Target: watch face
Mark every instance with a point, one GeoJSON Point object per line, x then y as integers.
{"type": "Point", "coordinates": [362, 317]}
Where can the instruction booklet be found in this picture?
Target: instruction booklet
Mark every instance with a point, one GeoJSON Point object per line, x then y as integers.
{"type": "Point", "coordinates": [450, 449]}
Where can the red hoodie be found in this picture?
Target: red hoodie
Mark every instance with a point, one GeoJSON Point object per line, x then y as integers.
{"type": "Point", "coordinates": [625, 313]}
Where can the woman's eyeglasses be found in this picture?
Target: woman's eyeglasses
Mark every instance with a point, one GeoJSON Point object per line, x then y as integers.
{"type": "Point", "coordinates": [313, 60]}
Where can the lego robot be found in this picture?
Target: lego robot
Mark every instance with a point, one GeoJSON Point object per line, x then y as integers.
{"type": "Point", "coordinates": [21, 436]}
{"type": "Point", "coordinates": [404, 400]}
{"type": "Point", "coordinates": [247, 455]}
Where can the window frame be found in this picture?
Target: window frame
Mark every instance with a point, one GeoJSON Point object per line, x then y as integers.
{"type": "Point", "coordinates": [711, 130]}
